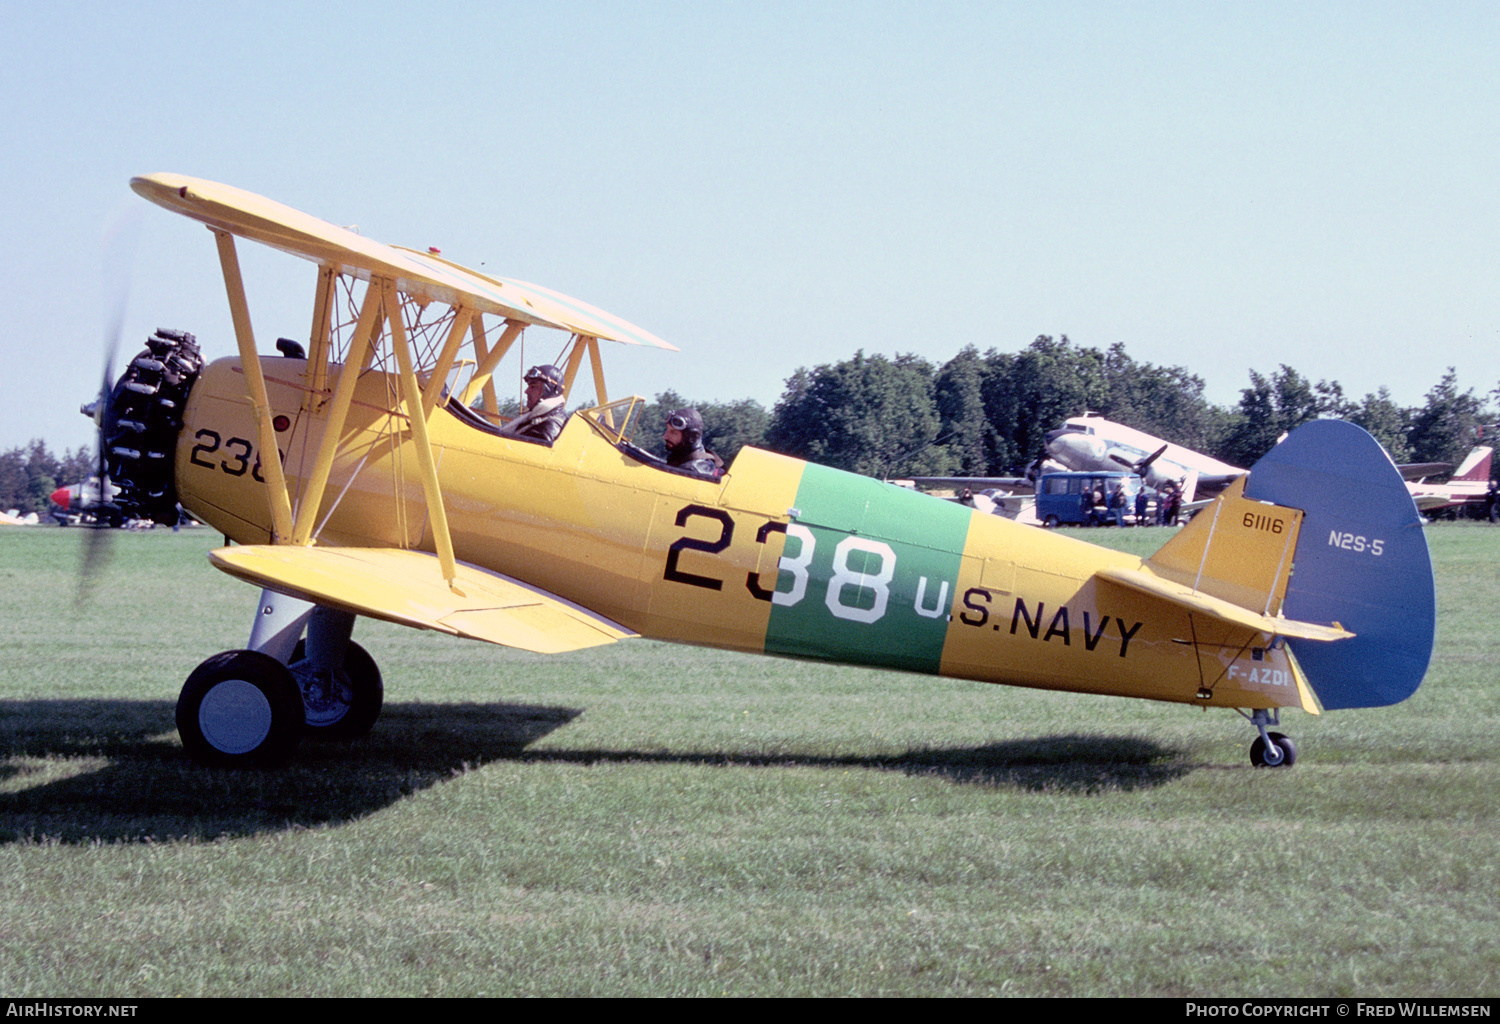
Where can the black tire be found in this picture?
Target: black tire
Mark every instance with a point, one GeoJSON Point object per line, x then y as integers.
{"type": "Point", "coordinates": [1287, 748]}
{"type": "Point", "coordinates": [240, 709]}
{"type": "Point", "coordinates": [346, 709]}
{"type": "Point", "coordinates": [1052, 522]}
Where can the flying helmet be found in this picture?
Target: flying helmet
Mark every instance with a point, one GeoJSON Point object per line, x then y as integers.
{"type": "Point", "coordinates": [690, 423]}
{"type": "Point", "coordinates": [550, 376]}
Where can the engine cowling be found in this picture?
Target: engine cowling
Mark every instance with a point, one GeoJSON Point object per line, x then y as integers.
{"type": "Point", "coordinates": [138, 433]}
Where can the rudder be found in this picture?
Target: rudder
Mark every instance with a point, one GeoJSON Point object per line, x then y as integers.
{"type": "Point", "coordinates": [1361, 560]}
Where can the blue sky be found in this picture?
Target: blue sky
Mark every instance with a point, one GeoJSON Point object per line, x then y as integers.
{"type": "Point", "coordinates": [1222, 186]}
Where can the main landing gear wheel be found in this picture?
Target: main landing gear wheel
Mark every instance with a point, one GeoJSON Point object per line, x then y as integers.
{"type": "Point", "coordinates": [1286, 752]}
{"type": "Point", "coordinates": [240, 709]}
{"type": "Point", "coordinates": [345, 706]}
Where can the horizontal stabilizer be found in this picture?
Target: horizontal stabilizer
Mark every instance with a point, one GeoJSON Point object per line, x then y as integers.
{"type": "Point", "coordinates": [407, 587]}
{"type": "Point", "coordinates": [1218, 608]}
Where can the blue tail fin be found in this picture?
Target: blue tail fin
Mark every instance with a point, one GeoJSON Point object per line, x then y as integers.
{"type": "Point", "coordinates": [1361, 561]}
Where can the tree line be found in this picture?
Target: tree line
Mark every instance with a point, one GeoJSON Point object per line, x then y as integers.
{"type": "Point", "coordinates": [988, 414]}
{"type": "Point", "coordinates": [28, 475]}
{"type": "Point", "coordinates": [985, 415]}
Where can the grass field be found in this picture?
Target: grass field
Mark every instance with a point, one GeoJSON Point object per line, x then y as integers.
{"type": "Point", "coordinates": [655, 820]}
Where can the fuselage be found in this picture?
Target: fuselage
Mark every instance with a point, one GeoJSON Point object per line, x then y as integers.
{"type": "Point", "coordinates": [779, 556]}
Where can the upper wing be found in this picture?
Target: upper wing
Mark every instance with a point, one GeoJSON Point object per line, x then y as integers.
{"type": "Point", "coordinates": [1015, 484]}
{"type": "Point", "coordinates": [406, 587]}
{"type": "Point", "coordinates": [417, 274]}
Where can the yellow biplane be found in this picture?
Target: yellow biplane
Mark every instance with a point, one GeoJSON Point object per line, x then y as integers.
{"type": "Point", "coordinates": [396, 492]}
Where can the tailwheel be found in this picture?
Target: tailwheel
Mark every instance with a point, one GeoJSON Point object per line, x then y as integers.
{"type": "Point", "coordinates": [240, 709]}
{"type": "Point", "coordinates": [342, 704]}
{"type": "Point", "coordinates": [1281, 752]}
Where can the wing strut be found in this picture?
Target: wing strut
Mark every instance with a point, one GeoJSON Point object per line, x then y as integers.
{"type": "Point", "coordinates": [412, 394]}
{"type": "Point", "coordinates": [598, 365]}
{"type": "Point", "coordinates": [434, 390]}
{"type": "Point", "coordinates": [488, 362]}
{"type": "Point", "coordinates": [270, 455]}
{"type": "Point", "coordinates": [333, 428]}
{"type": "Point", "coordinates": [318, 340]}
{"type": "Point", "coordinates": [575, 359]}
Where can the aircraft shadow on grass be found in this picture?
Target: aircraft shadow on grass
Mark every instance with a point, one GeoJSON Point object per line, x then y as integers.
{"type": "Point", "coordinates": [89, 771]}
